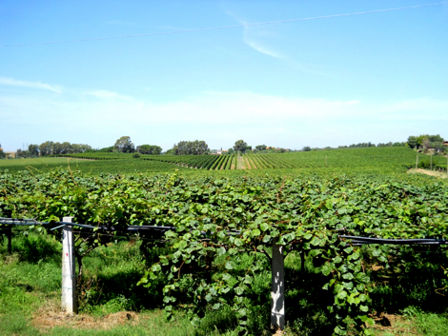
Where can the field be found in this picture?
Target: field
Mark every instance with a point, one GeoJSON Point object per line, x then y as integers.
{"type": "Point", "coordinates": [214, 269]}
{"type": "Point", "coordinates": [380, 161]}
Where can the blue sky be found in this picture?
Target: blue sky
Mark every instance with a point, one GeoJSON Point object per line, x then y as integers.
{"type": "Point", "coordinates": [281, 73]}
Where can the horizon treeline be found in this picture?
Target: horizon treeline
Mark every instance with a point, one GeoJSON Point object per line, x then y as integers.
{"type": "Point", "coordinates": [124, 144]}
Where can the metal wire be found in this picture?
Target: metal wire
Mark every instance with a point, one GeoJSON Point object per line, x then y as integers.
{"type": "Point", "coordinates": [357, 240]}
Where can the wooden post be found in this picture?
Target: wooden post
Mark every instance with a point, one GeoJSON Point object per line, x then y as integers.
{"type": "Point", "coordinates": [69, 302]}
{"type": "Point", "coordinates": [278, 289]}
{"type": "Point", "coordinates": [416, 161]}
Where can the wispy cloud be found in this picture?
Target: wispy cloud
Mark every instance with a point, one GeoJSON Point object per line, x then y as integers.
{"type": "Point", "coordinates": [106, 94]}
{"type": "Point", "coordinates": [253, 42]}
{"type": "Point", "coordinates": [256, 45]}
{"type": "Point", "coordinates": [30, 85]}
{"type": "Point", "coordinates": [254, 36]}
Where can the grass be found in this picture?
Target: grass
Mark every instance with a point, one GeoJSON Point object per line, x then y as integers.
{"type": "Point", "coordinates": [94, 167]}
{"type": "Point", "coordinates": [30, 294]}
{"type": "Point", "coordinates": [413, 321]}
{"type": "Point", "coordinates": [111, 303]}
{"type": "Point", "coordinates": [30, 277]}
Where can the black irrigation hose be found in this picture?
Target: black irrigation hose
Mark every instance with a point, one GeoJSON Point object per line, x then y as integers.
{"type": "Point", "coordinates": [133, 228]}
{"type": "Point", "coordinates": [356, 240]}
{"type": "Point", "coordinates": [14, 221]}
{"type": "Point", "coordinates": [368, 240]}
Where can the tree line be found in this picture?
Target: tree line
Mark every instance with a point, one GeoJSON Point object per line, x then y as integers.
{"type": "Point", "coordinates": [426, 143]}
{"type": "Point", "coordinates": [49, 148]}
{"type": "Point", "coordinates": [124, 144]}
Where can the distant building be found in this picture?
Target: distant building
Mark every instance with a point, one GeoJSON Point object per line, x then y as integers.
{"type": "Point", "coordinates": [218, 151]}
{"type": "Point", "coordinates": [10, 155]}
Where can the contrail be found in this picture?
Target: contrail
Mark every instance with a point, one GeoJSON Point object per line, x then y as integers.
{"type": "Point", "coordinates": [211, 28]}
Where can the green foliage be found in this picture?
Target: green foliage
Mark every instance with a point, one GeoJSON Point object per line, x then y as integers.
{"type": "Point", "coordinates": [197, 147]}
{"type": "Point", "coordinates": [124, 145]}
{"type": "Point", "coordinates": [217, 256]}
{"type": "Point", "coordinates": [54, 148]}
{"type": "Point", "coordinates": [426, 142]}
{"type": "Point", "coordinates": [428, 323]}
{"type": "Point", "coordinates": [32, 289]}
{"type": "Point", "coordinates": [35, 247]}
{"type": "Point", "coordinates": [241, 146]}
{"type": "Point", "coordinates": [91, 163]}
{"type": "Point", "coordinates": [372, 160]}
{"type": "Point", "coordinates": [149, 149]}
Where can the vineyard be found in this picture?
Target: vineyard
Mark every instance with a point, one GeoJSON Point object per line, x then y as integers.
{"type": "Point", "coordinates": [217, 260]}
{"type": "Point", "coordinates": [224, 162]}
{"type": "Point", "coordinates": [378, 161]}
{"type": "Point", "coordinates": [362, 160]}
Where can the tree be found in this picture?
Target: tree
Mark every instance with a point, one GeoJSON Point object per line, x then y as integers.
{"type": "Point", "coordinates": [22, 153]}
{"type": "Point", "coordinates": [425, 142]}
{"type": "Point", "coordinates": [149, 149]}
{"type": "Point", "coordinates": [412, 142]}
{"type": "Point", "coordinates": [46, 148]}
{"type": "Point", "coordinates": [2, 154]}
{"type": "Point", "coordinates": [260, 148]}
{"type": "Point", "coordinates": [196, 147]}
{"type": "Point", "coordinates": [241, 146]}
{"type": "Point", "coordinates": [57, 148]}
{"type": "Point", "coordinates": [33, 150]}
{"type": "Point", "coordinates": [80, 148]}
{"type": "Point", "coordinates": [124, 145]}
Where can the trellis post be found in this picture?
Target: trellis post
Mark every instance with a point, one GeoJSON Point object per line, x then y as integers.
{"type": "Point", "coordinates": [278, 289]}
{"type": "Point", "coordinates": [68, 298]}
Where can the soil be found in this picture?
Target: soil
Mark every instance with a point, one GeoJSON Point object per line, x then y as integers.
{"type": "Point", "coordinates": [50, 316]}
{"type": "Point", "coordinates": [385, 324]}
{"type": "Point", "coordinates": [240, 163]}
{"type": "Point", "coordinates": [427, 172]}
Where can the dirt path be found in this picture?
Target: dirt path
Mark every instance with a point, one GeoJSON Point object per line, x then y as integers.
{"type": "Point", "coordinates": [240, 163]}
{"type": "Point", "coordinates": [248, 163]}
{"type": "Point", "coordinates": [428, 172]}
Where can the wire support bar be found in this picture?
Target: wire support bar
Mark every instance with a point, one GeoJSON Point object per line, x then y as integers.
{"type": "Point", "coordinates": [368, 240]}
{"type": "Point", "coordinates": [150, 228]}
{"type": "Point", "coordinates": [15, 221]}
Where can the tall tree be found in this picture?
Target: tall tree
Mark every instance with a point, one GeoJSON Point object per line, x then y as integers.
{"type": "Point", "coordinates": [46, 148]}
{"type": "Point", "coordinates": [124, 145]}
{"type": "Point", "coordinates": [33, 150]}
{"type": "Point", "coordinates": [413, 142]}
{"type": "Point", "coordinates": [2, 154]}
{"type": "Point", "coordinates": [149, 149]}
{"type": "Point", "coordinates": [260, 148]}
{"type": "Point", "coordinates": [241, 146]}
{"type": "Point", "coordinates": [196, 147]}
